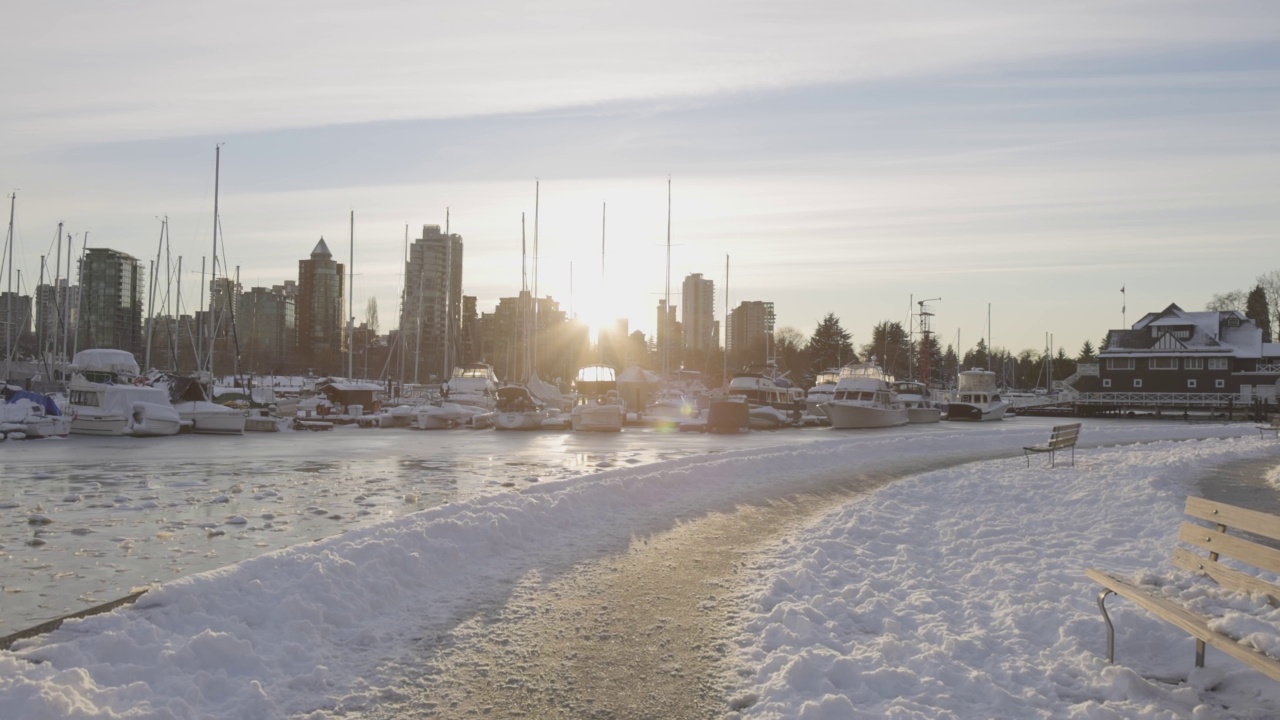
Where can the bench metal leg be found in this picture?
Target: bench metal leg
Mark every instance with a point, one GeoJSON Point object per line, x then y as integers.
{"type": "Point", "coordinates": [1111, 630]}
{"type": "Point", "coordinates": [1199, 653]}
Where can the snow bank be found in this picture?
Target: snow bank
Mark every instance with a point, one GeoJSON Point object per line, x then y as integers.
{"type": "Point", "coordinates": [299, 630]}
{"type": "Point", "coordinates": [961, 594]}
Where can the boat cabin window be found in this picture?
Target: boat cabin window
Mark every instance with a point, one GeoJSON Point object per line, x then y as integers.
{"type": "Point", "coordinates": [84, 398]}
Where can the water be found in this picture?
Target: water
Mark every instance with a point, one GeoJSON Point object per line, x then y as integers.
{"type": "Point", "coordinates": [124, 512]}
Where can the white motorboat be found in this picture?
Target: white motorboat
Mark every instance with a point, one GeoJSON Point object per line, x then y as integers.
{"type": "Point", "coordinates": [670, 407]}
{"type": "Point", "coordinates": [516, 409]}
{"type": "Point", "coordinates": [915, 397]}
{"type": "Point", "coordinates": [598, 407]}
{"type": "Point", "coordinates": [107, 396]}
{"type": "Point", "coordinates": [976, 397]}
{"type": "Point", "coordinates": [450, 415]}
{"type": "Point", "coordinates": [474, 385]}
{"type": "Point", "coordinates": [824, 388]}
{"type": "Point", "coordinates": [864, 398]}
{"type": "Point", "coordinates": [769, 405]}
{"type": "Point", "coordinates": [30, 415]}
{"type": "Point", "coordinates": [211, 418]}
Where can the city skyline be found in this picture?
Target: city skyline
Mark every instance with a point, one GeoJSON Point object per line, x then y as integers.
{"type": "Point", "coordinates": [847, 158]}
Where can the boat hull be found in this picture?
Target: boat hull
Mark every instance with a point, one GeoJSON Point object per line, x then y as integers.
{"type": "Point", "coordinates": [849, 416]}
{"type": "Point", "coordinates": [922, 415]}
{"type": "Point", "coordinates": [518, 420]}
{"type": "Point", "coordinates": [976, 413]}
{"type": "Point", "coordinates": [597, 418]}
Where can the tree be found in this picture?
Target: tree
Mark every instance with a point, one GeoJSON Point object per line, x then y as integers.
{"type": "Point", "coordinates": [1086, 352]}
{"type": "Point", "coordinates": [829, 347]}
{"type": "Point", "coordinates": [978, 356]}
{"type": "Point", "coordinates": [1257, 310]}
{"type": "Point", "coordinates": [1270, 283]}
{"type": "Point", "coordinates": [371, 315]}
{"type": "Point", "coordinates": [891, 348]}
{"type": "Point", "coordinates": [1233, 300]}
{"type": "Point", "coordinates": [789, 351]}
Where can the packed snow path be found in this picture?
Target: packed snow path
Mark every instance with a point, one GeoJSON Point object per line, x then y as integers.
{"type": "Point", "coordinates": [638, 630]}
{"type": "Point", "coordinates": [613, 595]}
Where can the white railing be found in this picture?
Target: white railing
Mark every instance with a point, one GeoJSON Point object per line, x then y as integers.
{"type": "Point", "coordinates": [1268, 368]}
{"type": "Point", "coordinates": [1172, 398]}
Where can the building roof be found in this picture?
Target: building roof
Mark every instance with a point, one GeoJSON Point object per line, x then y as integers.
{"type": "Point", "coordinates": [1174, 331]}
{"type": "Point", "coordinates": [321, 250]}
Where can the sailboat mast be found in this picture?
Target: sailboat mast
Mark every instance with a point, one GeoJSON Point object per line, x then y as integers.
{"type": "Point", "coordinates": [151, 302]}
{"type": "Point", "coordinates": [213, 274]}
{"type": "Point", "coordinates": [726, 319]}
{"type": "Point", "coordinates": [666, 310]}
{"type": "Point", "coordinates": [537, 187]}
{"type": "Point", "coordinates": [8, 310]}
{"type": "Point", "coordinates": [58, 301]}
{"type": "Point", "coordinates": [351, 300]}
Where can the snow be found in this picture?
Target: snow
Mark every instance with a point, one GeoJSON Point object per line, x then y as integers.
{"type": "Point", "coordinates": [952, 593]}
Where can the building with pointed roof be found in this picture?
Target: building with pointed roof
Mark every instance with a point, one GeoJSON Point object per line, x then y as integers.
{"type": "Point", "coordinates": [321, 293]}
{"type": "Point", "coordinates": [1176, 358]}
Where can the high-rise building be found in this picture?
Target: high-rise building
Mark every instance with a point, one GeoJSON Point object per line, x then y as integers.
{"type": "Point", "coordinates": [668, 336]}
{"type": "Point", "coordinates": [431, 316]}
{"type": "Point", "coordinates": [698, 297]}
{"type": "Point", "coordinates": [750, 333]}
{"type": "Point", "coordinates": [111, 297]}
{"type": "Point", "coordinates": [267, 323]}
{"type": "Point", "coordinates": [321, 288]}
{"type": "Point", "coordinates": [15, 315]}
{"type": "Point", "coordinates": [55, 315]}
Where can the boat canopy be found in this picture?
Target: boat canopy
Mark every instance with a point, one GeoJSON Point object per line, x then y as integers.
{"type": "Point", "coordinates": [597, 374]}
{"type": "Point", "coordinates": [105, 360]}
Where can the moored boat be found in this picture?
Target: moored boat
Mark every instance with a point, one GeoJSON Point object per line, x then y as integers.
{"type": "Point", "coordinates": [864, 398]}
{"type": "Point", "coordinates": [915, 397]}
{"type": "Point", "coordinates": [516, 408]}
{"type": "Point", "coordinates": [598, 407]}
{"type": "Point", "coordinates": [976, 397]}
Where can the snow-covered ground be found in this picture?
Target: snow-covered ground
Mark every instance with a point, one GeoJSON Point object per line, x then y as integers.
{"type": "Point", "coordinates": [958, 592]}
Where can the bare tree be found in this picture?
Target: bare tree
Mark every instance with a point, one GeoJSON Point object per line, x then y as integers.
{"type": "Point", "coordinates": [1233, 300]}
{"type": "Point", "coordinates": [371, 315]}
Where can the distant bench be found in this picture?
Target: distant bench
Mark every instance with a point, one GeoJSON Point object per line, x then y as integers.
{"type": "Point", "coordinates": [1216, 541]}
{"type": "Point", "coordinates": [1063, 437]}
{"type": "Point", "coordinates": [1273, 427]}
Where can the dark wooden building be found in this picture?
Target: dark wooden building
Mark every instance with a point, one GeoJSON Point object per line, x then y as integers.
{"type": "Point", "coordinates": [1174, 360]}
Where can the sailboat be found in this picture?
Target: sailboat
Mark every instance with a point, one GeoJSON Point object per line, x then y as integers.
{"type": "Point", "coordinates": [194, 399]}
{"type": "Point", "coordinates": [599, 407]}
{"type": "Point", "coordinates": [520, 407]}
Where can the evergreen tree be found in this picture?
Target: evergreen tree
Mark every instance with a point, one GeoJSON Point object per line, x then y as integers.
{"type": "Point", "coordinates": [1086, 352]}
{"type": "Point", "coordinates": [978, 357]}
{"type": "Point", "coordinates": [1257, 310]}
{"type": "Point", "coordinates": [829, 347]}
{"type": "Point", "coordinates": [891, 348]}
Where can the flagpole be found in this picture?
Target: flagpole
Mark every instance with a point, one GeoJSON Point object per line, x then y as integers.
{"type": "Point", "coordinates": [1124, 322]}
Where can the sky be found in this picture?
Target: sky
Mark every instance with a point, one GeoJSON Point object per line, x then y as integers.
{"type": "Point", "coordinates": [1022, 163]}
{"type": "Point", "coordinates": [953, 593]}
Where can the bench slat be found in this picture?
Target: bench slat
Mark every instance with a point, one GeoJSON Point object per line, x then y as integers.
{"type": "Point", "coordinates": [1228, 578]}
{"type": "Point", "coordinates": [1236, 548]}
{"type": "Point", "coordinates": [1258, 523]}
{"type": "Point", "coordinates": [1188, 622]}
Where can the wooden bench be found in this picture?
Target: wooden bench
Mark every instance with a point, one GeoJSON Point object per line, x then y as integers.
{"type": "Point", "coordinates": [1216, 541]}
{"type": "Point", "coordinates": [1273, 428]}
{"type": "Point", "coordinates": [1063, 437]}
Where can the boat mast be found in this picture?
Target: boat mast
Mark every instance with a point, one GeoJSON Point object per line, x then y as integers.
{"type": "Point", "coordinates": [8, 310]}
{"type": "Point", "coordinates": [351, 300]}
{"type": "Point", "coordinates": [213, 275]}
{"type": "Point", "coordinates": [151, 303]}
{"type": "Point", "coordinates": [447, 284]}
{"type": "Point", "coordinates": [666, 310]}
{"type": "Point", "coordinates": [58, 301]}
{"type": "Point", "coordinates": [725, 377]}
{"type": "Point", "coordinates": [537, 184]}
